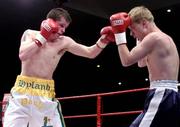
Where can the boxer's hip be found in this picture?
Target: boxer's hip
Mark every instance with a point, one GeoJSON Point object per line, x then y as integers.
{"type": "Point", "coordinates": [32, 86]}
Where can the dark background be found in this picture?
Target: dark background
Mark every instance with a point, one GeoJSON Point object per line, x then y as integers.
{"type": "Point", "coordinates": [77, 75]}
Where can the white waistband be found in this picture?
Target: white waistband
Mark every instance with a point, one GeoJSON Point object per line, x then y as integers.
{"type": "Point", "coordinates": [168, 84]}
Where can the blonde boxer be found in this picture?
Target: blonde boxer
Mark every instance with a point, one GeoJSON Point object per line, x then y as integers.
{"type": "Point", "coordinates": [157, 51]}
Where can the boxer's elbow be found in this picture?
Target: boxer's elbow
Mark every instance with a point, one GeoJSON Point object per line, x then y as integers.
{"type": "Point", "coordinates": [92, 56]}
{"type": "Point", "coordinates": [141, 66]}
{"type": "Point", "coordinates": [22, 56]}
{"type": "Point", "coordinates": [126, 63]}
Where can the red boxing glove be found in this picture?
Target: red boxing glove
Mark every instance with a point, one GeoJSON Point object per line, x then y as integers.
{"type": "Point", "coordinates": [119, 22]}
{"type": "Point", "coordinates": [48, 27]}
{"type": "Point", "coordinates": [108, 32]}
{"type": "Point", "coordinates": [107, 36]}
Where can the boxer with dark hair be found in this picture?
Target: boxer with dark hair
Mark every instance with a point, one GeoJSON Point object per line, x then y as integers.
{"type": "Point", "coordinates": [33, 102]}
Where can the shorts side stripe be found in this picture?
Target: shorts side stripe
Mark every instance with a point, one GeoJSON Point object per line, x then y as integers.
{"type": "Point", "coordinates": [153, 108]}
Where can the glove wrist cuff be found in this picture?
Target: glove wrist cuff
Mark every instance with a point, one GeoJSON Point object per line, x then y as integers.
{"type": "Point", "coordinates": [40, 39]}
{"type": "Point", "coordinates": [120, 38]}
{"type": "Point", "coordinates": [101, 44]}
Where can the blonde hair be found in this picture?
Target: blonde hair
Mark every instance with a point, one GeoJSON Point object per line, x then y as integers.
{"type": "Point", "coordinates": [139, 13]}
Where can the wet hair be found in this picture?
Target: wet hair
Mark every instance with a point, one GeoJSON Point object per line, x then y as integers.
{"type": "Point", "coordinates": [57, 13]}
{"type": "Point", "coordinates": [140, 13]}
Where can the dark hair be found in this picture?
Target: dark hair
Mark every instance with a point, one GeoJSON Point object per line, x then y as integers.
{"type": "Point", "coordinates": [57, 13]}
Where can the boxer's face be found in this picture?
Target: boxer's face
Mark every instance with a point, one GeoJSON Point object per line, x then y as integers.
{"type": "Point", "coordinates": [137, 30]}
{"type": "Point", "coordinates": [63, 24]}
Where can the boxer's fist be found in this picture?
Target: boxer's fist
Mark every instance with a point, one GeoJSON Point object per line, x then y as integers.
{"type": "Point", "coordinates": [108, 34]}
{"type": "Point", "coordinates": [48, 27]}
{"type": "Point", "coordinates": [119, 22]}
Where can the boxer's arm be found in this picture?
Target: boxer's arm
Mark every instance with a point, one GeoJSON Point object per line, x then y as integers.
{"type": "Point", "coordinates": [80, 49]}
{"type": "Point", "coordinates": [120, 22]}
{"type": "Point", "coordinates": [92, 51]}
{"type": "Point", "coordinates": [141, 62]}
{"type": "Point", "coordinates": [138, 52]}
{"type": "Point", "coordinates": [28, 47]}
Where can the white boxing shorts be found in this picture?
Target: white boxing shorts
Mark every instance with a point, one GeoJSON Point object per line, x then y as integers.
{"type": "Point", "coordinates": [162, 106]}
{"type": "Point", "coordinates": [33, 104]}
